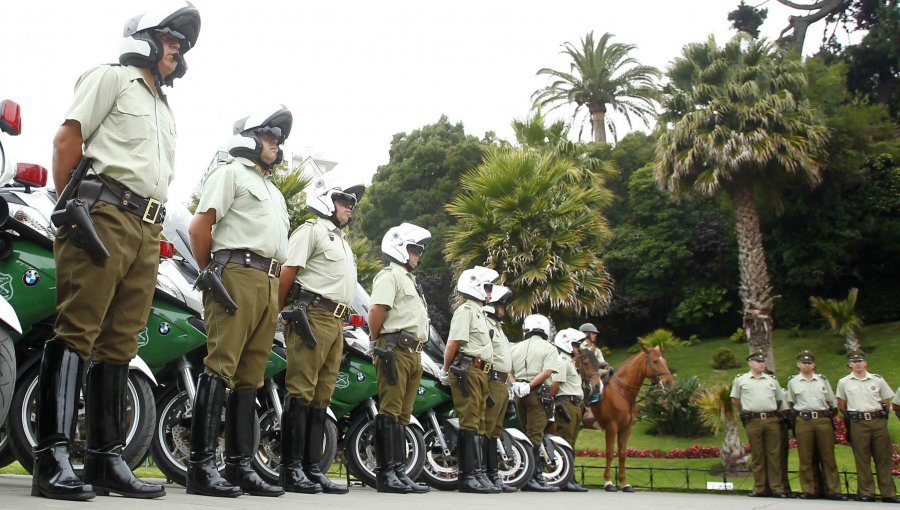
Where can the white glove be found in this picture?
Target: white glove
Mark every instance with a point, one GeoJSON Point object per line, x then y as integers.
{"type": "Point", "coordinates": [444, 377]}
{"type": "Point", "coordinates": [520, 389]}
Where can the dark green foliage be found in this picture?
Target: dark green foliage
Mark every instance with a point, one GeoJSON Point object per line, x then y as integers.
{"type": "Point", "coordinates": [747, 18]}
{"type": "Point", "coordinates": [675, 412]}
{"type": "Point", "coordinates": [723, 358]}
{"type": "Point", "coordinates": [739, 336]}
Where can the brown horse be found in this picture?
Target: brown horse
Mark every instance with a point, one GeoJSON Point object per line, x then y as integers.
{"type": "Point", "coordinates": [615, 413]}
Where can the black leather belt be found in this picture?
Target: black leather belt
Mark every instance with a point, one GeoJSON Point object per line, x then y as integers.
{"type": "Point", "coordinates": [248, 259]}
{"type": "Point", "coordinates": [495, 375]}
{"type": "Point", "coordinates": [149, 210]}
{"type": "Point", "coordinates": [813, 415]}
{"type": "Point", "coordinates": [569, 398]}
{"type": "Point", "coordinates": [339, 310]}
{"type": "Point", "coordinates": [405, 340]}
{"type": "Point", "coordinates": [767, 415]}
{"type": "Point", "coordinates": [867, 416]}
{"type": "Point", "coordinates": [466, 361]}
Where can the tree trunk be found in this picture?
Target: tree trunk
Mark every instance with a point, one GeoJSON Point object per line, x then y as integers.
{"type": "Point", "coordinates": [755, 289]}
{"type": "Point", "coordinates": [733, 455]}
{"type": "Point", "coordinates": [851, 341]}
{"type": "Point", "coordinates": [598, 125]}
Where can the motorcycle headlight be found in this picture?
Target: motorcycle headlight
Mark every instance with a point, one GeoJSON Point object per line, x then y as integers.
{"type": "Point", "coordinates": [165, 284]}
{"type": "Point", "coordinates": [33, 219]}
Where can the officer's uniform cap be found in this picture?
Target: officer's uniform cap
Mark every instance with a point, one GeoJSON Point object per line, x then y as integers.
{"type": "Point", "coordinates": [757, 355]}
{"type": "Point", "coordinates": [856, 355]}
{"type": "Point", "coordinates": [806, 356]}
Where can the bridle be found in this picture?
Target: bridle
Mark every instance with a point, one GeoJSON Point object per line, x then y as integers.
{"type": "Point", "coordinates": [630, 388]}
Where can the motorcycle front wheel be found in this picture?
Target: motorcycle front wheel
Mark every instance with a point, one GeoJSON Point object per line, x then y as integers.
{"type": "Point", "coordinates": [360, 450]}
{"type": "Point", "coordinates": [7, 373]}
{"type": "Point", "coordinates": [267, 460]}
{"type": "Point", "coordinates": [561, 467]}
{"type": "Point", "coordinates": [515, 462]}
{"type": "Point", "coordinates": [441, 471]}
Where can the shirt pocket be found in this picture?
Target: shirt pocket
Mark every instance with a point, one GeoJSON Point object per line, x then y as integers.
{"type": "Point", "coordinates": [132, 118]}
{"type": "Point", "coordinates": [258, 199]}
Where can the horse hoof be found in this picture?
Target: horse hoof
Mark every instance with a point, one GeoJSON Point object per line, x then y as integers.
{"type": "Point", "coordinates": [609, 487]}
{"type": "Point", "coordinates": [628, 488]}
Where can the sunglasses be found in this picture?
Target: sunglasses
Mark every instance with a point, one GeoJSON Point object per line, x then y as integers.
{"type": "Point", "coordinates": [345, 199]}
{"type": "Point", "coordinates": [415, 249]}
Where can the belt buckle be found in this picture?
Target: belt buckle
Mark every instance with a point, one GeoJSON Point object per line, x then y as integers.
{"type": "Point", "coordinates": [274, 268]}
{"type": "Point", "coordinates": [340, 310]}
{"type": "Point", "coordinates": [763, 416]}
{"type": "Point", "coordinates": [419, 346]}
{"type": "Point", "coordinates": [814, 415]}
{"type": "Point", "coordinates": [487, 367]}
{"type": "Point", "coordinates": [867, 416]}
{"type": "Point", "coordinates": [151, 212]}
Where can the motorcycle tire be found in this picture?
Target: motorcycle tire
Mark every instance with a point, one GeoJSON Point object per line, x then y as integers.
{"type": "Point", "coordinates": [360, 450]}
{"type": "Point", "coordinates": [140, 414]}
{"type": "Point", "coordinates": [267, 461]}
{"type": "Point", "coordinates": [440, 471]}
{"type": "Point", "coordinates": [7, 373]}
{"type": "Point", "coordinates": [561, 467]}
{"type": "Point", "coordinates": [7, 456]}
{"type": "Point", "coordinates": [519, 465]}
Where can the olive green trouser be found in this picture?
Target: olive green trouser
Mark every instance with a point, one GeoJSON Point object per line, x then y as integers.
{"type": "Point", "coordinates": [238, 345]}
{"type": "Point", "coordinates": [312, 371]}
{"type": "Point", "coordinates": [568, 430]}
{"type": "Point", "coordinates": [533, 417]}
{"type": "Point", "coordinates": [471, 407]}
{"type": "Point", "coordinates": [397, 400]}
{"type": "Point", "coordinates": [870, 440]}
{"type": "Point", "coordinates": [765, 451]}
{"type": "Point", "coordinates": [494, 415]}
{"type": "Point", "coordinates": [106, 307]}
{"type": "Point", "coordinates": [817, 435]}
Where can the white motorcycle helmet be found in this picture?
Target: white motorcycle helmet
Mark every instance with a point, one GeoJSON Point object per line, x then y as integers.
{"type": "Point", "coordinates": [244, 143]}
{"type": "Point", "coordinates": [397, 242]}
{"type": "Point", "coordinates": [500, 295]}
{"type": "Point", "coordinates": [536, 324]}
{"type": "Point", "coordinates": [477, 282]}
{"type": "Point", "coordinates": [322, 192]}
{"type": "Point", "coordinates": [139, 47]}
{"type": "Point", "coordinates": [566, 338]}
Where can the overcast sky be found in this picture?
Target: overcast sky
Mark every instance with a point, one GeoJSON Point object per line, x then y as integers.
{"type": "Point", "coordinates": [353, 73]}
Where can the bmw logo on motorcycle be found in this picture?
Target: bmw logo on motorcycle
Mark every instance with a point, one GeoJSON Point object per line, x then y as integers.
{"type": "Point", "coordinates": [164, 328]}
{"type": "Point", "coordinates": [31, 278]}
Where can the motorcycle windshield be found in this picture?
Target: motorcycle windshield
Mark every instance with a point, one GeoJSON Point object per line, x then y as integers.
{"type": "Point", "coordinates": [175, 230]}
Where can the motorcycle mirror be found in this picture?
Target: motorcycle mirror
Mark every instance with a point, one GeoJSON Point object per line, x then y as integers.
{"type": "Point", "coordinates": [10, 117]}
{"type": "Point", "coordinates": [30, 174]}
{"type": "Point", "coordinates": [166, 249]}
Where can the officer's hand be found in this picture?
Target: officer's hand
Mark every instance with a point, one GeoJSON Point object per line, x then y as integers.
{"type": "Point", "coordinates": [444, 377]}
{"type": "Point", "coordinates": [520, 389]}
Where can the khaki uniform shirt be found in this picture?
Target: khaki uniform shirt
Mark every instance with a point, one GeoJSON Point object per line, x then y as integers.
{"type": "Point", "coordinates": [469, 326]}
{"type": "Point", "coordinates": [570, 381]}
{"type": "Point", "coordinates": [327, 264]}
{"type": "Point", "coordinates": [251, 213]}
{"type": "Point", "coordinates": [598, 353]}
{"type": "Point", "coordinates": [532, 356]}
{"type": "Point", "coordinates": [502, 359]}
{"type": "Point", "coordinates": [812, 395]}
{"type": "Point", "coordinates": [128, 132]}
{"type": "Point", "coordinates": [863, 395]}
{"type": "Point", "coordinates": [757, 395]}
{"type": "Point", "coordinates": [395, 287]}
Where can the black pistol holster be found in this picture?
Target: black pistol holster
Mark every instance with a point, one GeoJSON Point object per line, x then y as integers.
{"type": "Point", "coordinates": [563, 412]}
{"type": "Point", "coordinates": [387, 360]}
{"type": "Point", "coordinates": [298, 317]}
{"type": "Point", "coordinates": [72, 210]}
{"type": "Point", "coordinates": [461, 371]}
{"type": "Point", "coordinates": [210, 280]}
{"type": "Point", "coordinates": [547, 401]}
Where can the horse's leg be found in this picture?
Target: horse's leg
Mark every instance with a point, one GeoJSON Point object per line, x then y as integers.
{"type": "Point", "coordinates": [623, 446]}
{"type": "Point", "coordinates": [608, 484]}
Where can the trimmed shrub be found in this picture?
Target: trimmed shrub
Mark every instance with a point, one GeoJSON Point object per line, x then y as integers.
{"type": "Point", "coordinates": [724, 358]}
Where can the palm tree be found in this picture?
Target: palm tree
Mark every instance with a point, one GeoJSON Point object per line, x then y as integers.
{"type": "Point", "coordinates": [533, 216]}
{"type": "Point", "coordinates": [737, 122]}
{"type": "Point", "coordinates": [841, 317]}
{"type": "Point", "coordinates": [717, 411]}
{"type": "Point", "coordinates": [602, 76]}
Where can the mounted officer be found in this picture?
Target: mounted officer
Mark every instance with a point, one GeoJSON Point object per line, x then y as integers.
{"type": "Point", "coordinates": [319, 279]}
{"type": "Point", "coordinates": [398, 326]}
{"type": "Point", "coordinates": [592, 343]}
{"type": "Point", "coordinates": [468, 357]}
{"type": "Point", "coordinates": [239, 236]}
{"type": "Point", "coordinates": [119, 127]}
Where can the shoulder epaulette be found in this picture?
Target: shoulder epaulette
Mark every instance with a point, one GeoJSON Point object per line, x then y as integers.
{"type": "Point", "coordinates": [791, 377]}
{"type": "Point", "coordinates": [876, 375]}
{"type": "Point", "coordinates": [822, 376]}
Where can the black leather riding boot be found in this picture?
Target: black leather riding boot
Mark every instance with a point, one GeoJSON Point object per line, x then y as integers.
{"type": "Point", "coordinates": [203, 477]}
{"type": "Point", "coordinates": [492, 463]}
{"type": "Point", "coordinates": [480, 466]}
{"type": "Point", "coordinates": [399, 438]}
{"type": "Point", "coordinates": [466, 456]}
{"type": "Point", "coordinates": [315, 446]}
{"type": "Point", "coordinates": [240, 448]}
{"type": "Point", "coordinates": [104, 468]}
{"type": "Point", "coordinates": [385, 476]}
{"type": "Point", "coordinates": [294, 420]}
{"type": "Point", "coordinates": [537, 482]}
{"type": "Point", "coordinates": [59, 385]}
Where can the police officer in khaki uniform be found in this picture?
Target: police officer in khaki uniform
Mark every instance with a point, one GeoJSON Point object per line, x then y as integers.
{"type": "Point", "coordinates": [242, 220]}
{"type": "Point", "coordinates": [498, 385]}
{"type": "Point", "coordinates": [468, 356]}
{"type": "Point", "coordinates": [570, 397]}
{"type": "Point", "coordinates": [120, 122]}
{"type": "Point", "coordinates": [863, 397]}
{"type": "Point", "coordinates": [813, 403]}
{"type": "Point", "coordinates": [398, 325]}
{"type": "Point", "coordinates": [535, 360]}
{"type": "Point", "coordinates": [757, 396]}
{"type": "Point", "coordinates": [319, 278]}
{"type": "Point", "coordinates": [896, 403]}
{"type": "Point", "coordinates": [591, 343]}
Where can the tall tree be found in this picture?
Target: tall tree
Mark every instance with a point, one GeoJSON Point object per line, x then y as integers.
{"type": "Point", "coordinates": [602, 76]}
{"type": "Point", "coordinates": [737, 120]}
{"type": "Point", "coordinates": [798, 25]}
{"type": "Point", "coordinates": [747, 18]}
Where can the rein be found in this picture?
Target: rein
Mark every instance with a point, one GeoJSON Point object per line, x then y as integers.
{"type": "Point", "coordinates": [635, 389]}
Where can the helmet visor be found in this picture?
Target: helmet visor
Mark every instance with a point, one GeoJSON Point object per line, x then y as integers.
{"type": "Point", "coordinates": [344, 199]}
{"type": "Point", "coordinates": [415, 249]}
{"type": "Point", "coordinates": [488, 287]}
{"type": "Point", "coordinates": [271, 131]}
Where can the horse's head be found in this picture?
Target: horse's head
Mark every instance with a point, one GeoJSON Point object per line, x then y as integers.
{"type": "Point", "coordinates": [655, 368]}
{"type": "Point", "coordinates": [588, 367]}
